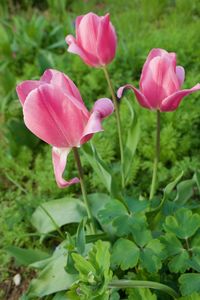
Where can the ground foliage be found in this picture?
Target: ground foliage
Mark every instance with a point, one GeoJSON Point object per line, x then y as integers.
{"type": "Point", "coordinates": [161, 238]}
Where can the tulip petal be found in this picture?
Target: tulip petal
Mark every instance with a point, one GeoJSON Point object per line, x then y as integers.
{"type": "Point", "coordinates": [59, 158]}
{"type": "Point", "coordinates": [62, 81]}
{"type": "Point", "coordinates": [53, 117]}
{"type": "Point", "coordinates": [140, 97]}
{"type": "Point", "coordinates": [101, 109]}
{"type": "Point", "coordinates": [106, 41]}
{"type": "Point", "coordinates": [180, 73]}
{"type": "Point", "coordinates": [172, 102]}
{"type": "Point", "coordinates": [87, 32]}
{"type": "Point", "coordinates": [74, 48]}
{"type": "Point", "coordinates": [159, 80]}
{"type": "Point", "coordinates": [24, 88]}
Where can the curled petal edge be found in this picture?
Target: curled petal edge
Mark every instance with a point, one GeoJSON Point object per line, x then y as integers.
{"type": "Point", "coordinates": [59, 158]}
{"type": "Point", "coordinates": [76, 49]}
{"type": "Point", "coordinates": [101, 109]}
{"type": "Point", "coordinates": [140, 97]}
{"type": "Point", "coordinates": [172, 102]}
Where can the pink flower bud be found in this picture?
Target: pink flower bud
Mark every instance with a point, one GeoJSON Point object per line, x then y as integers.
{"type": "Point", "coordinates": [95, 40]}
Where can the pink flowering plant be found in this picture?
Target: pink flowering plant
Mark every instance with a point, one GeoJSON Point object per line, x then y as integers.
{"type": "Point", "coordinates": [120, 243]}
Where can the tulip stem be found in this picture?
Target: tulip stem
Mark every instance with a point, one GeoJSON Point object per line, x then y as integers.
{"type": "Point", "coordinates": [119, 128]}
{"type": "Point", "coordinates": [156, 160]}
{"type": "Point", "coordinates": [84, 193]}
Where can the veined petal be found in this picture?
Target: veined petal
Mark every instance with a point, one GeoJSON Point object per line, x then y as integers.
{"type": "Point", "coordinates": [59, 158]}
{"type": "Point", "coordinates": [53, 117]}
{"type": "Point", "coordinates": [180, 73]}
{"type": "Point", "coordinates": [106, 40]}
{"type": "Point", "coordinates": [159, 80]}
{"type": "Point", "coordinates": [62, 81]}
{"type": "Point", "coordinates": [87, 32]}
{"type": "Point", "coordinates": [102, 108]}
{"type": "Point", "coordinates": [140, 97]}
{"type": "Point", "coordinates": [172, 102]}
{"type": "Point", "coordinates": [25, 87]}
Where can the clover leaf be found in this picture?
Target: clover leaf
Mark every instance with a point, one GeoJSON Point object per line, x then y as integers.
{"type": "Point", "coordinates": [183, 224]}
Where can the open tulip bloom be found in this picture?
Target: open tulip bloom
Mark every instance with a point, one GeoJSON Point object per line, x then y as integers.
{"type": "Point", "coordinates": [55, 112]}
{"type": "Point", "coordinates": [160, 82]}
{"type": "Point", "coordinates": [95, 40]}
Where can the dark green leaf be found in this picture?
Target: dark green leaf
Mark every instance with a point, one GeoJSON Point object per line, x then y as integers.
{"type": "Point", "coordinates": [125, 254]}
{"type": "Point", "coordinates": [183, 224]}
{"type": "Point", "coordinates": [190, 283]}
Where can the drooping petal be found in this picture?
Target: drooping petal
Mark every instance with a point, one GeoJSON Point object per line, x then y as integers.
{"type": "Point", "coordinates": [172, 102]}
{"type": "Point", "coordinates": [106, 41]}
{"type": "Point", "coordinates": [53, 117]}
{"type": "Point", "coordinates": [62, 81]}
{"type": "Point", "coordinates": [104, 107]}
{"type": "Point", "coordinates": [159, 80]}
{"type": "Point", "coordinates": [75, 48]}
{"type": "Point", "coordinates": [101, 109]}
{"type": "Point", "coordinates": [24, 88]}
{"type": "Point", "coordinates": [140, 97]}
{"type": "Point", "coordinates": [59, 158]}
{"type": "Point", "coordinates": [180, 73]}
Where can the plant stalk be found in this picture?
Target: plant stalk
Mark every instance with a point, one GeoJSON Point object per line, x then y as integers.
{"type": "Point", "coordinates": [156, 160]}
{"type": "Point", "coordinates": [143, 284]}
{"type": "Point", "coordinates": [84, 194]}
{"type": "Point", "coordinates": [119, 128]}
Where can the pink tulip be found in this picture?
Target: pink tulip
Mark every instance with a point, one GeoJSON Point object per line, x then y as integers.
{"type": "Point", "coordinates": [95, 40]}
{"type": "Point", "coordinates": [55, 112]}
{"type": "Point", "coordinates": [160, 82]}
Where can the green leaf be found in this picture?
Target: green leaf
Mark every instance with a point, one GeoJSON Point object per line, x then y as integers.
{"type": "Point", "coordinates": [26, 257]}
{"type": "Point", "coordinates": [183, 224]}
{"type": "Point", "coordinates": [141, 294]}
{"type": "Point", "coordinates": [63, 211]}
{"type": "Point", "coordinates": [131, 142]}
{"type": "Point", "coordinates": [99, 167]}
{"type": "Point", "coordinates": [194, 263]}
{"type": "Point", "coordinates": [197, 179]}
{"type": "Point", "coordinates": [80, 237]}
{"type": "Point", "coordinates": [53, 277]}
{"type": "Point", "coordinates": [194, 296]}
{"type": "Point", "coordinates": [172, 245]}
{"type": "Point", "coordinates": [60, 296]}
{"type": "Point", "coordinates": [179, 263]}
{"type": "Point", "coordinates": [150, 256]}
{"type": "Point", "coordinates": [184, 191]}
{"type": "Point", "coordinates": [127, 259]}
{"type": "Point", "coordinates": [112, 210]}
{"type": "Point", "coordinates": [83, 266]}
{"type": "Point", "coordinates": [190, 282]}
{"type": "Point", "coordinates": [103, 255]}
{"type": "Point", "coordinates": [169, 188]}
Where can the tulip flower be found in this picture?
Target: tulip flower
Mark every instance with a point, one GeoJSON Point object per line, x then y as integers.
{"type": "Point", "coordinates": [95, 40]}
{"type": "Point", "coordinates": [55, 112]}
{"type": "Point", "coordinates": [160, 82]}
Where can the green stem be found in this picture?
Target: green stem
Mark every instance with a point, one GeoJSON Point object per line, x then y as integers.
{"type": "Point", "coordinates": [143, 284]}
{"type": "Point", "coordinates": [85, 198]}
{"type": "Point", "coordinates": [119, 128]}
{"type": "Point", "coordinates": [156, 160]}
